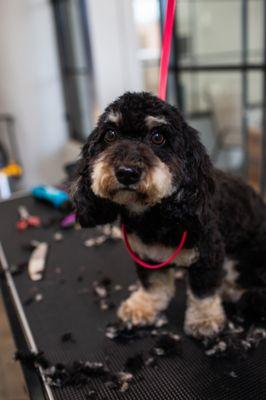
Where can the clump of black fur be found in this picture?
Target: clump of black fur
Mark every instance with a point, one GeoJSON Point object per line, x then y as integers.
{"type": "Point", "coordinates": [124, 333]}
{"type": "Point", "coordinates": [167, 345]}
{"type": "Point", "coordinates": [67, 337]}
{"type": "Point", "coordinates": [102, 289]}
{"type": "Point", "coordinates": [234, 342]}
{"type": "Point", "coordinates": [31, 359]}
{"type": "Point", "coordinates": [134, 363]}
{"type": "Point", "coordinates": [75, 374]}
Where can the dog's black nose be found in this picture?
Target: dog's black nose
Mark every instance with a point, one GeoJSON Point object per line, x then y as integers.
{"type": "Point", "coordinates": [128, 175]}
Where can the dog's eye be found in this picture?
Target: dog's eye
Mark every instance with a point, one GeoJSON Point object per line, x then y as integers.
{"type": "Point", "coordinates": [110, 136]}
{"type": "Point", "coordinates": [157, 138]}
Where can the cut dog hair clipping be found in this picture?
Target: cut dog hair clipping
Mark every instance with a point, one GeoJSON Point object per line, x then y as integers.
{"type": "Point", "coordinates": [67, 337]}
{"type": "Point", "coordinates": [109, 232]}
{"type": "Point", "coordinates": [31, 359]}
{"type": "Point", "coordinates": [37, 261]}
{"type": "Point", "coordinates": [167, 344]}
{"type": "Point", "coordinates": [234, 342]}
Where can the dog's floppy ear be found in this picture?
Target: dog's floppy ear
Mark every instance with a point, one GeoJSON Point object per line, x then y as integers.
{"type": "Point", "coordinates": [91, 210]}
{"type": "Point", "coordinates": [199, 163]}
{"type": "Point", "coordinates": [198, 170]}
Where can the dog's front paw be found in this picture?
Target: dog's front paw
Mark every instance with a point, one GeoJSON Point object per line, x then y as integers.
{"type": "Point", "coordinates": [205, 328]}
{"type": "Point", "coordinates": [138, 309]}
{"type": "Point", "coordinates": [205, 318]}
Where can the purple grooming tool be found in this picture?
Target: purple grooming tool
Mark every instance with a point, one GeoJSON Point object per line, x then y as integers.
{"type": "Point", "coordinates": [68, 221]}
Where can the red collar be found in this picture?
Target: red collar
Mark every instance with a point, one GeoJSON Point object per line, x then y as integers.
{"type": "Point", "coordinates": [153, 266]}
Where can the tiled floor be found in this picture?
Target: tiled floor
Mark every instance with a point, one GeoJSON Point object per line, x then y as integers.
{"type": "Point", "coordinates": [12, 386]}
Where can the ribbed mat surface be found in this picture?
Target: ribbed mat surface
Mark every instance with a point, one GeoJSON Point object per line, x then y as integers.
{"type": "Point", "coordinates": [69, 306]}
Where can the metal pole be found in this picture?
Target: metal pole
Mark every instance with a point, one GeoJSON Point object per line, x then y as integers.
{"type": "Point", "coordinates": [263, 154]}
{"type": "Point", "coordinates": [219, 67]}
{"type": "Point", "coordinates": [161, 14]}
{"type": "Point", "coordinates": [176, 61]}
{"type": "Point", "coordinates": [245, 86]}
{"type": "Point", "coordinates": [193, 24]}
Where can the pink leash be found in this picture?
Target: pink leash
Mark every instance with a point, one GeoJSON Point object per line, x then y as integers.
{"type": "Point", "coordinates": [153, 266]}
{"type": "Point", "coordinates": [165, 56]}
{"type": "Point", "coordinates": [166, 48]}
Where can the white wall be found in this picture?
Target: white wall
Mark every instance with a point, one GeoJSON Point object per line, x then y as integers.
{"type": "Point", "coordinates": [114, 49]}
{"type": "Point", "coordinates": [30, 86]}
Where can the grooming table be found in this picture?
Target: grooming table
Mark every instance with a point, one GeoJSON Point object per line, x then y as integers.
{"type": "Point", "coordinates": [69, 305]}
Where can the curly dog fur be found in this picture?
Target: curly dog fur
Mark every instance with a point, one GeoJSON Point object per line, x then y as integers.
{"type": "Point", "coordinates": [144, 164]}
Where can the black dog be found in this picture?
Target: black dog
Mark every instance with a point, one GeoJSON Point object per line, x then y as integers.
{"type": "Point", "coordinates": [145, 164]}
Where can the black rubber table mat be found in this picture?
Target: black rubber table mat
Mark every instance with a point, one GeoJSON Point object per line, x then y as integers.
{"type": "Point", "coordinates": [69, 305]}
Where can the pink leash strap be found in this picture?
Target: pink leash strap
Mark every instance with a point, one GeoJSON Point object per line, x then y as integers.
{"type": "Point", "coordinates": [153, 266]}
{"type": "Point", "coordinates": [165, 57]}
{"type": "Point", "coordinates": [166, 47]}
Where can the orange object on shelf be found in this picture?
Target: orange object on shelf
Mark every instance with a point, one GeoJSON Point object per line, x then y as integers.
{"type": "Point", "coordinates": [12, 169]}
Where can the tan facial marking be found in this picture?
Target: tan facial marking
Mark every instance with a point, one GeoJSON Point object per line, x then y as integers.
{"type": "Point", "coordinates": [103, 178]}
{"type": "Point", "coordinates": [144, 305]}
{"type": "Point", "coordinates": [115, 117]}
{"type": "Point", "coordinates": [204, 317]}
{"type": "Point", "coordinates": [161, 180]}
{"type": "Point", "coordinates": [152, 122]}
{"type": "Point", "coordinates": [152, 188]}
{"type": "Point", "coordinates": [157, 184]}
